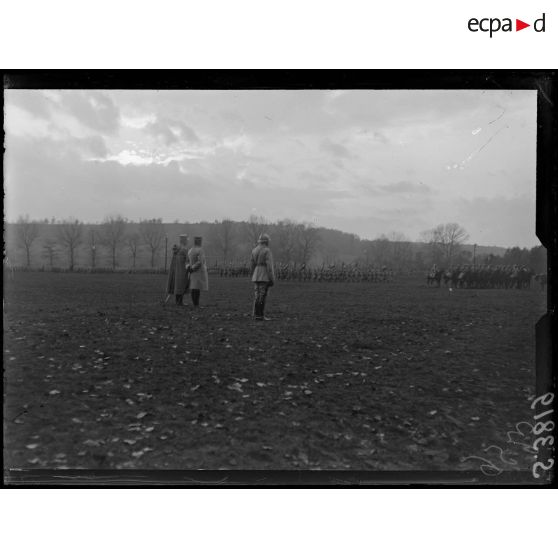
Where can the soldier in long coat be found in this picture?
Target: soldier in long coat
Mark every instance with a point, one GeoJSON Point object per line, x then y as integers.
{"type": "Point", "coordinates": [177, 282]}
{"type": "Point", "coordinates": [263, 275]}
{"type": "Point", "coordinates": [198, 271]}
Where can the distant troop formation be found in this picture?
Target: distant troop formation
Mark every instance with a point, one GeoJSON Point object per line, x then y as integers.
{"type": "Point", "coordinates": [335, 273]}
{"type": "Point", "coordinates": [188, 272]}
{"type": "Point", "coordinates": [483, 277]}
{"type": "Point", "coordinates": [232, 270]}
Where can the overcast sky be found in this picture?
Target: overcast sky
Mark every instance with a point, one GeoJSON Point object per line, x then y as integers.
{"type": "Point", "coordinates": [366, 162]}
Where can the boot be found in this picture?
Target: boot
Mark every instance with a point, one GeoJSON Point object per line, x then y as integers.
{"type": "Point", "coordinates": [262, 310]}
{"type": "Point", "coordinates": [258, 310]}
{"type": "Point", "coordinates": [195, 298]}
{"type": "Point", "coordinates": [178, 299]}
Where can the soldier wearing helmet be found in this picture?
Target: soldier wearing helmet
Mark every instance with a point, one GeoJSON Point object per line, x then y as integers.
{"type": "Point", "coordinates": [263, 275]}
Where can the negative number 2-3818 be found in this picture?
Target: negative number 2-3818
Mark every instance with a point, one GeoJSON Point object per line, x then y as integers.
{"type": "Point", "coordinates": [541, 427]}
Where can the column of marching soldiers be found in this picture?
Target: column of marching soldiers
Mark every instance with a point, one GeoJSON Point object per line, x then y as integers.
{"type": "Point", "coordinates": [331, 273]}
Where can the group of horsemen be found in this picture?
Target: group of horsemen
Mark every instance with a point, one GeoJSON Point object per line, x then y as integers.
{"type": "Point", "coordinates": [484, 277]}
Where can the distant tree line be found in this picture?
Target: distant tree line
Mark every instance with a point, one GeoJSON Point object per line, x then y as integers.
{"type": "Point", "coordinates": [68, 241]}
{"type": "Point", "coordinates": [535, 258]}
{"type": "Point", "coordinates": [117, 243]}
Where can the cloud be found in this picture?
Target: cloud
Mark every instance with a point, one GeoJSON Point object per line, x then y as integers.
{"type": "Point", "coordinates": [395, 188]}
{"type": "Point", "coordinates": [26, 154]}
{"type": "Point", "coordinates": [335, 149]}
{"type": "Point", "coordinates": [404, 187]}
{"type": "Point", "coordinates": [45, 179]}
{"type": "Point", "coordinates": [171, 131]}
{"type": "Point", "coordinates": [137, 121]}
{"type": "Point", "coordinates": [94, 145]}
{"type": "Point", "coordinates": [500, 220]}
{"type": "Point", "coordinates": [34, 102]}
{"type": "Point", "coordinates": [317, 177]}
{"type": "Point", "coordinates": [358, 159]}
{"type": "Point", "coordinates": [381, 137]}
{"type": "Point", "coordinates": [93, 109]}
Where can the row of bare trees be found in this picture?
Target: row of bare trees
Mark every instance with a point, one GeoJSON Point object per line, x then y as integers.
{"type": "Point", "coordinates": [393, 250]}
{"type": "Point", "coordinates": [111, 234]}
{"type": "Point", "coordinates": [27, 232]}
{"type": "Point", "coordinates": [294, 242]}
{"type": "Point", "coordinates": [298, 243]}
{"type": "Point", "coordinates": [442, 245]}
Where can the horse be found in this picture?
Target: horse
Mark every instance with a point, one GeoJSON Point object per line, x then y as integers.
{"type": "Point", "coordinates": [447, 277]}
{"type": "Point", "coordinates": [542, 280]}
{"type": "Point", "coordinates": [435, 277]}
{"type": "Point", "coordinates": [524, 278]}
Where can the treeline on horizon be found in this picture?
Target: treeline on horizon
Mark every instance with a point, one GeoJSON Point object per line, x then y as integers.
{"type": "Point", "coordinates": [117, 243]}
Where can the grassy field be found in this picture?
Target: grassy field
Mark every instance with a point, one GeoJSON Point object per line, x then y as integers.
{"type": "Point", "coordinates": [398, 376]}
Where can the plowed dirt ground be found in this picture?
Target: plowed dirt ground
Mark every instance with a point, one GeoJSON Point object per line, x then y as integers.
{"type": "Point", "coordinates": [394, 376]}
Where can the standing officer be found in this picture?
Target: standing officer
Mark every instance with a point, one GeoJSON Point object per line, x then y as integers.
{"type": "Point", "coordinates": [263, 275]}
{"type": "Point", "coordinates": [198, 271]}
{"type": "Point", "coordinates": [177, 282]}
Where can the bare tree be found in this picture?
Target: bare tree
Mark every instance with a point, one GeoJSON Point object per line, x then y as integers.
{"type": "Point", "coordinates": [285, 241]}
{"type": "Point", "coordinates": [295, 242]}
{"type": "Point", "coordinates": [223, 236]}
{"type": "Point", "coordinates": [153, 232]}
{"type": "Point", "coordinates": [26, 233]}
{"type": "Point", "coordinates": [367, 251]}
{"type": "Point", "coordinates": [132, 243]}
{"type": "Point", "coordinates": [112, 235]}
{"type": "Point", "coordinates": [93, 250]}
{"type": "Point", "coordinates": [449, 237]}
{"type": "Point", "coordinates": [308, 240]}
{"type": "Point", "coordinates": [50, 250]}
{"type": "Point", "coordinates": [254, 228]}
{"type": "Point", "coordinates": [70, 237]}
{"type": "Point", "coordinates": [380, 250]}
{"type": "Point", "coordinates": [433, 249]}
{"type": "Point", "coordinates": [400, 249]}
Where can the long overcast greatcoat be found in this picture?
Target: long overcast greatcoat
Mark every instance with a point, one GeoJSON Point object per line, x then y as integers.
{"type": "Point", "coordinates": [177, 282]}
{"type": "Point", "coordinates": [262, 264]}
{"type": "Point", "coordinates": [198, 273]}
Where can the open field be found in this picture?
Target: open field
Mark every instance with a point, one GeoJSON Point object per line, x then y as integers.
{"type": "Point", "coordinates": [364, 376]}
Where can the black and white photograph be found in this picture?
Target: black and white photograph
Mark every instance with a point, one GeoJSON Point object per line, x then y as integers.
{"type": "Point", "coordinates": [329, 282]}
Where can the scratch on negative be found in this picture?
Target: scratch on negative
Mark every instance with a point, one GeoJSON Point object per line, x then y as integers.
{"type": "Point", "coordinates": [475, 153]}
{"type": "Point", "coordinates": [492, 137]}
{"type": "Point", "coordinates": [503, 112]}
{"type": "Point", "coordinates": [543, 93]}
